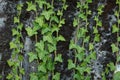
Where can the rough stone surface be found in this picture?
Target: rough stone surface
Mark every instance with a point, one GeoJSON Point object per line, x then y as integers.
{"type": "Point", "coordinates": [103, 49]}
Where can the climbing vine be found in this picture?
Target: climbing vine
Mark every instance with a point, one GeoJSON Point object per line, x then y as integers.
{"type": "Point", "coordinates": [82, 59]}
{"type": "Point", "coordinates": [37, 41]}
{"type": "Point", "coordinates": [115, 46]}
{"type": "Point", "coordinates": [45, 29]}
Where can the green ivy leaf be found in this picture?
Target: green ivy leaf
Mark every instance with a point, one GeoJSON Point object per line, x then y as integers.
{"type": "Point", "coordinates": [100, 7]}
{"type": "Point", "coordinates": [72, 45]}
{"type": "Point", "coordinates": [22, 71]}
{"type": "Point", "coordinates": [58, 58]}
{"type": "Point", "coordinates": [118, 58]}
{"type": "Point", "coordinates": [116, 13]}
{"type": "Point", "coordinates": [15, 32]}
{"type": "Point", "coordinates": [99, 23]}
{"type": "Point", "coordinates": [71, 65]}
{"type": "Point", "coordinates": [88, 70]}
{"type": "Point", "coordinates": [92, 55]}
{"type": "Point", "coordinates": [75, 22]}
{"type": "Point", "coordinates": [42, 67]}
{"type": "Point", "coordinates": [9, 76]}
{"type": "Point", "coordinates": [13, 45]}
{"type": "Point", "coordinates": [20, 26]}
{"type": "Point", "coordinates": [118, 39]}
{"type": "Point", "coordinates": [36, 27]}
{"type": "Point", "coordinates": [119, 21]}
{"type": "Point", "coordinates": [56, 76]}
{"type": "Point", "coordinates": [89, 12]}
{"type": "Point", "coordinates": [50, 65]}
{"type": "Point", "coordinates": [79, 49]}
{"type": "Point", "coordinates": [40, 20]}
{"type": "Point", "coordinates": [95, 30]}
{"type": "Point", "coordinates": [80, 56]}
{"type": "Point", "coordinates": [19, 6]}
{"type": "Point", "coordinates": [116, 76]}
{"type": "Point", "coordinates": [82, 15]}
{"type": "Point", "coordinates": [87, 77]}
{"type": "Point", "coordinates": [86, 6]}
{"type": "Point", "coordinates": [40, 45]}
{"type": "Point", "coordinates": [115, 28]}
{"type": "Point", "coordinates": [51, 47]}
{"type": "Point", "coordinates": [78, 5]}
{"type": "Point", "coordinates": [43, 77]}
{"type": "Point", "coordinates": [32, 56]}
{"type": "Point", "coordinates": [33, 76]}
{"type": "Point", "coordinates": [17, 77]}
{"type": "Point", "coordinates": [59, 13]}
{"type": "Point", "coordinates": [111, 66]}
{"type": "Point", "coordinates": [48, 38]}
{"type": "Point", "coordinates": [47, 14]}
{"type": "Point", "coordinates": [81, 33]}
{"type": "Point", "coordinates": [45, 30]}
{"type": "Point", "coordinates": [86, 39]}
{"type": "Point", "coordinates": [91, 47]}
{"type": "Point", "coordinates": [31, 6]}
{"type": "Point", "coordinates": [60, 38]}
{"type": "Point", "coordinates": [114, 48]}
{"type": "Point", "coordinates": [30, 31]}
{"type": "Point", "coordinates": [16, 20]}
{"type": "Point", "coordinates": [55, 18]}
{"type": "Point", "coordinates": [100, 12]}
{"type": "Point", "coordinates": [103, 76]}
{"type": "Point", "coordinates": [61, 22]}
{"type": "Point", "coordinates": [80, 69]}
{"type": "Point", "coordinates": [77, 76]}
{"type": "Point", "coordinates": [117, 2]}
{"type": "Point", "coordinates": [20, 57]}
{"type": "Point", "coordinates": [65, 7]}
{"type": "Point", "coordinates": [97, 37]}
{"type": "Point", "coordinates": [49, 5]}
{"type": "Point", "coordinates": [10, 63]}
{"type": "Point", "coordinates": [86, 61]}
{"type": "Point", "coordinates": [0, 77]}
{"type": "Point", "coordinates": [89, 1]}
{"type": "Point", "coordinates": [55, 28]}
{"type": "Point", "coordinates": [41, 3]}
{"type": "Point", "coordinates": [96, 18]}
{"type": "Point", "coordinates": [41, 54]}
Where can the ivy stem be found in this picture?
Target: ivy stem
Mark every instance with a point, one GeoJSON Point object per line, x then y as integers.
{"type": "Point", "coordinates": [57, 33]}
{"type": "Point", "coordinates": [75, 42]}
{"type": "Point", "coordinates": [117, 54]}
{"type": "Point", "coordinates": [36, 38]}
{"type": "Point", "coordinates": [52, 72]}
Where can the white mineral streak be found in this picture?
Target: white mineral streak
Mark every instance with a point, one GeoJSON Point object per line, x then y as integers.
{"type": "Point", "coordinates": [0, 56]}
{"type": "Point", "coordinates": [2, 22]}
{"type": "Point", "coordinates": [27, 48]}
{"type": "Point", "coordinates": [117, 68]}
{"type": "Point", "coordinates": [3, 4]}
{"type": "Point", "coordinates": [2, 15]}
{"type": "Point", "coordinates": [28, 44]}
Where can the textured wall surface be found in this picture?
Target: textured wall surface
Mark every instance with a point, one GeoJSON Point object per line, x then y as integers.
{"type": "Point", "coordinates": [103, 49]}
